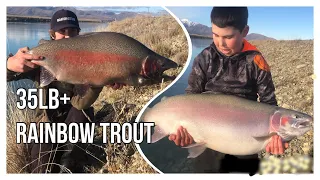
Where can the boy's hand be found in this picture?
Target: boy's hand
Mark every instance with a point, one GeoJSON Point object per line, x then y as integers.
{"type": "Point", "coordinates": [275, 146]}
{"type": "Point", "coordinates": [21, 61]}
{"type": "Point", "coordinates": [182, 138]}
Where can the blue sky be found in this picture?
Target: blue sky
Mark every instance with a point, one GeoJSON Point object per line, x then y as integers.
{"type": "Point", "coordinates": [277, 22]}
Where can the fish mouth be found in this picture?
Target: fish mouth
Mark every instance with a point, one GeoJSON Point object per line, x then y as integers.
{"type": "Point", "coordinates": [154, 66]}
{"type": "Point", "coordinates": [163, 65]}
{"type": "Point", "coordinates": [168, 64]}
{"type": "Point", "coordinates": [303, 123]}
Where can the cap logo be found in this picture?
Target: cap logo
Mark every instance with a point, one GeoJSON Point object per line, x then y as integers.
{"type": "Point", "coordinates": [66, 19]}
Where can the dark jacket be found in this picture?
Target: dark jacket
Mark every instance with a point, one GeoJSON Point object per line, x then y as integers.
{"type": "Point", "coordinates": [60, 114]}
{"type": "Point", "coordinates": [245, 74]}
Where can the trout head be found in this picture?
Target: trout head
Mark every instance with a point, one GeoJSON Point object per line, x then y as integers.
{"type": "Point", "coordinates": [154, 65]}
{"type": "Point", "coordinates": [290, 124]}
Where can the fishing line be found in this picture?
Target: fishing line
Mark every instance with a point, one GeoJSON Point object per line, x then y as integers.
{"type": "Point", "coordinates": [85, 114]}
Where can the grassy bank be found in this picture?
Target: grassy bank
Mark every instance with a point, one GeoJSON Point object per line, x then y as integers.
{"type": "Point", "coordinates": [200, 36]}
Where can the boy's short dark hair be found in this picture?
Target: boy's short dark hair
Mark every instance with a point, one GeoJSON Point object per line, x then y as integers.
{"type": "Point", "coordinates": [236, 17]}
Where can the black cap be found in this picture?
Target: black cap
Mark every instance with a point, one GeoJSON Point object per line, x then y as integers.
{"type": "Point", "coordinates": [64, 19]}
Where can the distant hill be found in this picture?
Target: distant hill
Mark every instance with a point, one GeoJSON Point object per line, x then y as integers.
{"type": "Point", "coordinates": [84, 14]}
{"type": "Point", "coordinates": [255, 36]}
{"type": "Point", "coordinates": [199, 30]}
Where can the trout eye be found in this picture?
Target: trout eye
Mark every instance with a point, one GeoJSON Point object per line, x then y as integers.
{"type": "Point", "coordinates": [295, 116]}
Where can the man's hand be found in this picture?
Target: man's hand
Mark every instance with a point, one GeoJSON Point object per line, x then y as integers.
{"type": "Point", "coordinates": [20, 62]}
{"type": "Point", "coordinates": [276, 146]}
{"type": "Point", "coordinates": [116, 86]}
{"type": "Point", "coordinates": [182, 138]}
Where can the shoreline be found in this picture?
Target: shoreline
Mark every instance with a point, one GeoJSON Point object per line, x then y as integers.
{"type": "Point", "coordinates": [41, 19]}
{"type": "Point", "coordinates": [200, 36]}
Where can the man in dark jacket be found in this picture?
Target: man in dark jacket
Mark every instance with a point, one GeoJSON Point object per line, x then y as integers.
{"type": "Point", "coordinates": [64, 24]}
{"type": "Point", "coordinates": [231, 65]}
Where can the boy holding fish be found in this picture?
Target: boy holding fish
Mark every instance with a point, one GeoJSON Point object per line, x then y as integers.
{"type": "Point", "coordinates": [231, 65]}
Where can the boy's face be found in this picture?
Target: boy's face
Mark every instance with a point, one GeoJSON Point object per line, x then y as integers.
{"type": "Point", "coordinates": [66, 33]}
{"type": "Point", "coordinates": [228, 40]}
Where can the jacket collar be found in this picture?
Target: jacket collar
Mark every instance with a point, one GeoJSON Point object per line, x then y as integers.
{"type": "Point", "coordinates": [248, 47]}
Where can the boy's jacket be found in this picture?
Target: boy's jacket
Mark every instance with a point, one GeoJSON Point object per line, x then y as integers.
{"type": "Point", "coordinates": [245, 74]}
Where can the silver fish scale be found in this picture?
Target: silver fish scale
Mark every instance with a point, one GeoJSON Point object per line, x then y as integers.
{"type": "Point", "coordinates": [225, 123]}
{"type": "Point", "coordinates": [108, 42]}
{"type": "Point", "coordinates": [68, 61]}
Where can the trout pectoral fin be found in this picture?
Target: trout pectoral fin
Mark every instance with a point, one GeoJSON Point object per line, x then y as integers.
{"type": "Point", "coordinates": [158, 134]}
{"type": "Point", "coordinates": [264, 138]}
{"type": "Point", "coordinates": [45, 77]}
{"type": "Point", "coordinates": [196, 149]}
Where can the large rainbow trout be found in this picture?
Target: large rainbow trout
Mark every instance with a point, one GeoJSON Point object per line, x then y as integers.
{"type": "Point", "coordinates": [98, 59]}
{"type": "Point", "coordinates": [225, 123]}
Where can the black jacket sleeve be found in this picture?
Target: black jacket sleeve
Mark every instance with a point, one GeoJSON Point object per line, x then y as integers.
{"type": "Point", "coordinates": [197, 78]}
{"type": "Point", "coordinates": [14, 76]}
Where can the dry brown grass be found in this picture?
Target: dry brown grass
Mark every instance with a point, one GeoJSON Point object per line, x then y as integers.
{"type": "Point", "coordinates": [17, 154]}
{"type": "Point", "coordinates": [161, 34]}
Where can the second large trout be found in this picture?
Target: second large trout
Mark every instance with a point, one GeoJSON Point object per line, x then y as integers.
{"type": "Point", "coordinates": [228, 124]}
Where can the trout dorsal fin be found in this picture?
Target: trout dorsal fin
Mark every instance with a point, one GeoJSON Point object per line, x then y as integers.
{"type": "Point", "coordinates": [45, 77]}
{"type": "Point", "coordinates": [43, 41]}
